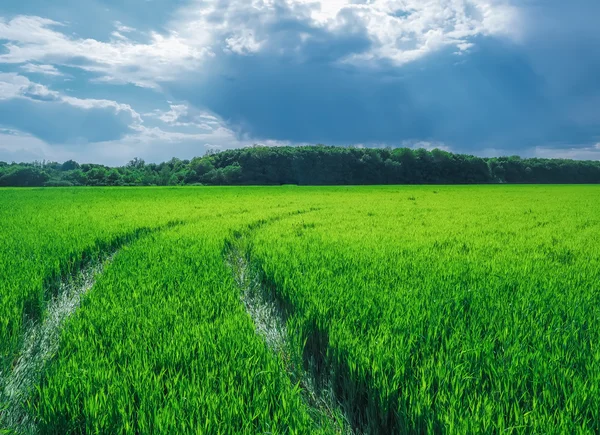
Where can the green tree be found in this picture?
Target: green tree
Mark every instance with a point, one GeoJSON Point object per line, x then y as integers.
{"type": "Point", "coordinates": [96, 176]}
{"type": "Point", "coordinates": [113, 178]}
{"type": "Point", "coordinates": [28, 176]}
{"type": "Point", "coordinates": [76, 177]}
{"type": "Point", "coordinates": [69, 165]}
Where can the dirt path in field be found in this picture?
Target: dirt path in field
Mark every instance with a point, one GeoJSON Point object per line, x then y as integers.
{"type": "Point", "coordinates": [41, 343]}
{"type": "Point", "coordinates": [41, 339]}
{"type": "Point", "coordinates": [264, 311]}
{"type": "Point", "coordinates": [270, 322]}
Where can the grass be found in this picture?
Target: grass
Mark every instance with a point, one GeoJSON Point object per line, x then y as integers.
{"type": "Point", "coordinates": [465, 309]}
{"type": "Point", "coordinates": [165, 346]}
{"type": "Point", "coordinates": [473, 310]}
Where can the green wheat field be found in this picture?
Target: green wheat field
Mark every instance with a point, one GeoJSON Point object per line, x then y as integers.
{"type": "Point", "coordinates": [293, 310]}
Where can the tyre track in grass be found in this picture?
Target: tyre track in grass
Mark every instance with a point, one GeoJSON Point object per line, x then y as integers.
{"type": "Point", "coordinates": [41, 338]}
{"type": "Point", "coordinates": [270, 316]}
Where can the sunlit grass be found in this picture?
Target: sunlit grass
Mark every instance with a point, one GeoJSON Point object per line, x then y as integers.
{"type": "Point", "coordinates": [469, 309]}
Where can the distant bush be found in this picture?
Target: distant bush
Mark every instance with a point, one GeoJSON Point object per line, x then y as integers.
{"type": "Point", "coordinates": [58, 183]}
{"type": "Point", "coordinates": [24, 176]}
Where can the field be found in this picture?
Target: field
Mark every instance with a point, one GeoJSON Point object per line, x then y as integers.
{"type": "Point", "coordinates": [397, 309]}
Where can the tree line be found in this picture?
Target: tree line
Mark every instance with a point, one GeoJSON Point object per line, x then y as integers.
{"type": "Point", "coordinates": [307, 165]}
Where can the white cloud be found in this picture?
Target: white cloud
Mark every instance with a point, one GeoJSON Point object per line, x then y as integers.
{"type": "Point", "coordinates": [153, 143]}
{"type": "Point", "coordinates": [150, 143]}
{"type": "Point", "coordinates": [405, 30]}
{"type": "Point", "coordinates": [456, 17]}
{"type": "Point", "coordinates": [121, 28]}
{"type": "Point", "coordinates": [13, 85]}
{"type": "Point", "coordinates": [591, 152]}
{"type": "Point", "coordinates": [121, 31]}
{"type": "Point", "coordinates": [243, 44]}
{"type": "Point", "coordinates": [88, 103]}
{"type": "Point", "coordinates": [173, 115]}
{"type": "Point", "coordinates": [60, 119]}
{"type": "Point", "coordinates": [182, 115]}
{"type": "Point", "coordinates": [119, 35]}
{"type": "Point", "coordinates": [34, 39]}
{"type": "Point", "coordinates": [400, 30]}
{"type": "Point", "coordinates": [20, 147]}
{"type": "Point", "coordinates": [48, 70]}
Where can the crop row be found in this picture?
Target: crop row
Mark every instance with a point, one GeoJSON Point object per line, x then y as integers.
{"type": "Point", "coordinates": [163, 345]}
{"type": "Point", "coordinates": [425, 309]}
{"type": "Point", "coordinates": [460, 310]}
{"type": "Point", "coordinates": [162, 342]}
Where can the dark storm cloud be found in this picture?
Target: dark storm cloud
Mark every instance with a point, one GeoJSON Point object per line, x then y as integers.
{"type": "Point", "coordinates": [539, 90]}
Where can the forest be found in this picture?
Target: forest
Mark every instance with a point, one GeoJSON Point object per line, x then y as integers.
{"type": "Point", "coordinates": [307, 165]}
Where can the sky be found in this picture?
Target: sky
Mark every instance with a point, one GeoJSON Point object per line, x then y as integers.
{"type": "Point", "coordinates": [105, 81]}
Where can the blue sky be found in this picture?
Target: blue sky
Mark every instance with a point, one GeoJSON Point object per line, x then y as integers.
{"type": "Point", "coordinates": [108, 80]}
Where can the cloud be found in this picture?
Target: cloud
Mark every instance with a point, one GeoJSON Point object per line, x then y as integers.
{"type": "Point", "coordinates": [182, 115]}
{"type": "Point", "coordinates": [122, 28]}
{"type": "Point", "coordinates": [577, 153]}
{"type": "Point", "coordinates": [396, 32]}
{"type": "Point", "coordinates": [58, 119]}
{"type": "Point", "coordinates": [173, 115]}
{"type": "Point", "coordinates": [121, 31]}
{"type": "Point", "coordinates": [16, 146]}
{"type": "Point", "coordinates": [507, 91]}
{"type": "Point", "coordinates": [13, 85]}
{"type": "Point", "coordinates": [151, 143]}
{"type": "Point", "coordinates": [48, 70]}
{"type": "Point", "coordinates": [480, 76]}
{"type": "Point", "coordinates": [60, 128]}
{"type": "Point", "coordinates": [406, 31]}
{"type": "Point", "coordinates": [35, 39]}
{"type": "Point", "coordinates": [242, 44]}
